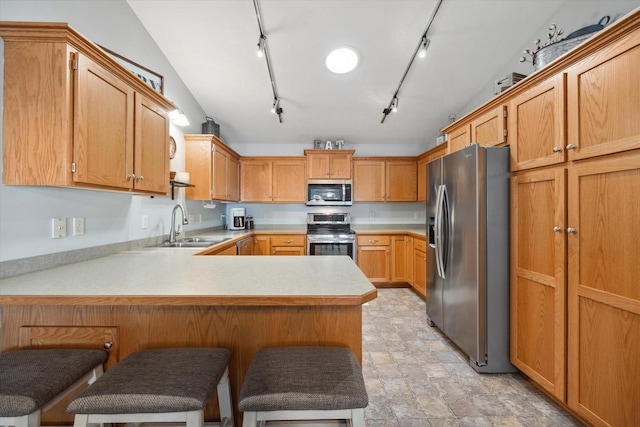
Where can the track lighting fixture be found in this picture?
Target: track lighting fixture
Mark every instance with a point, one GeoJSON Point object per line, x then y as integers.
{"type": "Point", "coordinates": [178, 118]}
{"type": "Point", "coordinates": [424, 46]}
{"type": "Point", "coordinates": [421, 51]}
{"type": "Point", "coordinates": [260, 51]}
{"type": "Point", "coordinates": [263, 51]}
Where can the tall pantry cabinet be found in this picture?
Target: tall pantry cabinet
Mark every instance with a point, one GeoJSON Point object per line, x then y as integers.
{"type": "Point", "coordinates": [575, 227]}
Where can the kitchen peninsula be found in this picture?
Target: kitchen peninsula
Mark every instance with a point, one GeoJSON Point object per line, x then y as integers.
{"type": "Point", "coordinates": [151, 298]}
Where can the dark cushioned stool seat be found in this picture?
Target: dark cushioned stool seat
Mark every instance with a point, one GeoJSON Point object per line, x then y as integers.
{"type": "Point", "coordinates": [29, 379]}
{"type": "Point", "coordinates": [156, 381]}
{"type": "Point", "coordinates": [302, 379]}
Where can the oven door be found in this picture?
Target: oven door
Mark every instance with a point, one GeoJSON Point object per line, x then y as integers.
{"type": "Point", "coordinates": [328, 247]}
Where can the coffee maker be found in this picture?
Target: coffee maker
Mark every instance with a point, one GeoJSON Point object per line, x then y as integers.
{"type": "Point", "coordinates": [236, 219]}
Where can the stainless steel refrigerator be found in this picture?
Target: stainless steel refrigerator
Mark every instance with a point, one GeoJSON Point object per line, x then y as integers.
{"type": "Point", "coordinates": [468, 234]}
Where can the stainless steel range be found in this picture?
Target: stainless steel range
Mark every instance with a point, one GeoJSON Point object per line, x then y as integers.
{"type": "Point", "coordinates": [330, 234]}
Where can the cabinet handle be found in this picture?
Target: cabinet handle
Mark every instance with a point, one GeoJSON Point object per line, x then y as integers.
{"type": "Point", "coordinates": [287, 241]}
{"type": "Point", "coordinates": [373, 240]}
{"type": "Point", "coordinates": [571, 147]}
{"type": "Point", "coordinates": [132, 176]}
{"type": "Point", "coordinates": [557, 229]}
{"type": "Point", "coordinates": [108, 345]}
{"type": "Point", "coordinates": [571, 230]}
{"type": "Point", "coordinates": [557, 149]}
{"type": "Point", "coordinates": [140, 178]}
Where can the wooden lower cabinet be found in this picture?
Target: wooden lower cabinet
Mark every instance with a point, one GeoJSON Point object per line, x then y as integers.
{"type": "Point", "coordinates": [288, 244]}
{"type": "Point", "coordinates": [400, 251]}
{"type": "Point", "coordinates": [604, 290]}
{"type": "Point", "coordinates": [419, 256]}
{"type": "Point", "coordinates": [538, 287]}
{"type": "Point", "coordinates": [261, 244]}
{"type": "Point", "coordinates": [373, 257]}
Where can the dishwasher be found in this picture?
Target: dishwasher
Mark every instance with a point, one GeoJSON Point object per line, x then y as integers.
{"type": "Point", "coordinates": [244, 246]}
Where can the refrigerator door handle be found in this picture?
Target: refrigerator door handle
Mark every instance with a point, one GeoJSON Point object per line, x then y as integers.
{"type": "Point", "coordinates": [438, 231]}
{"type": "Point", "coordinates": [445, 218]}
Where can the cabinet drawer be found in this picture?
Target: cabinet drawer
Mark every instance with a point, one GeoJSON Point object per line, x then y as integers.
{"type": "Point", "coordinates": [288, 240]}
{"type": "Point", "coordinates": [373, 240]}
{"type": "Point", "coordinates": [420, 245]}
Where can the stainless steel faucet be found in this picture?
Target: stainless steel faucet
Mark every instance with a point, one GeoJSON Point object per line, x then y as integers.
{"type": "Point", "coordinates": [185, 221]}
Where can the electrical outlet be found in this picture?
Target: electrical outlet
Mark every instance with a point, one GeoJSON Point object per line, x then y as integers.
{"type": "Point", "coordinates": [78, 226]}
{"type": "Point", "coordinates": [145, 221]}
{"type": "Point", "coordinates": [199, 217]}
{"type": "Point", "coordinates": [58, 228]}
{"type": "Point", "coordinates": [372, 215]}
{"type": "Point", "coordinates": [416, 215]}
{"type": "Point", "coordinates": [192, 218]}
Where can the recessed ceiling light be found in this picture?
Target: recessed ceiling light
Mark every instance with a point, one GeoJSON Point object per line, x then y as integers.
{"type": "Point", "coordinates": [342, 60]}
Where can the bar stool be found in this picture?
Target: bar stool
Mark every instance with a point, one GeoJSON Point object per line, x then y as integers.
{"type": "Point", "coordinates": [34, 380]}
{"type": "Point", "coordinates": [161, 385]}
{"type": "Point", "coordinates": [303, 383]}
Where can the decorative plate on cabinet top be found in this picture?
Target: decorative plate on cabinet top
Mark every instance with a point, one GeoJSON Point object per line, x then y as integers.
{"type": "Point", "coordinates": [172, 147]}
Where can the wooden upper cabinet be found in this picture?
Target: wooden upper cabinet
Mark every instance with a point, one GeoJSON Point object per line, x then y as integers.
{"type": "Point", "coordinates": [256, 180]}
{"type": "Point", "coordinates": [213, 168]}
{"type": "Point", "coordinates": [401, 181]}
{"type": "Point", "coordinates": [273, 179]}
{"type": "Point", "coordinates": [368, 180]}
{"type": "Point", "coordinates": [385, 180]}
{"type": "Point", "coordinates": [329, 164]}
{"type": "Point", "coordinates": [151, 154]}
{"type": "Point", "coordinates": [434, 153]}
{"type": "Point", "coordinates": [537, 125]}
{"type": "Point", "coordinates": [74, 117]}
{"type": "Point", "coordinates": [289, 183]}
{"type": "Point", "coordinates": [538, 277]}
{"type": "Point", "coordinates": [603, 101]}
{"type": "Point", "coordinates": [459, 137]}
{"type": "Point", "coordinates": [490, 129]}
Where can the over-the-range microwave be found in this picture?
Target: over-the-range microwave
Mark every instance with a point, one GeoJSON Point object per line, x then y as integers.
{"type": "Point", "coordinates": [329, 192]}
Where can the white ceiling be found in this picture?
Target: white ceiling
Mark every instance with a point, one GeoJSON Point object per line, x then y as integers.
{"type": "Point", "coordinates": [212, 46]}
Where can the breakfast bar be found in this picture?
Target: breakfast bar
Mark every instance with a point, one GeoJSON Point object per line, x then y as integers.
{"type": "Point", "coordinates": [164, 297]}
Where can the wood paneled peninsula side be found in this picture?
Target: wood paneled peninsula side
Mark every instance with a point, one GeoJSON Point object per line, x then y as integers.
{"type": "Point", "coordinates": [165, 297]}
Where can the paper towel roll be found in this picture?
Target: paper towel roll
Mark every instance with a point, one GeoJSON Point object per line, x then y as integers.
{"type": "Point", "coordinates": [182, 177]}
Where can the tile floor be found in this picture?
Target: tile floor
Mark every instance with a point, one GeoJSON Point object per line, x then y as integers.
{"type": "Point", "coordinates": [416, 377]}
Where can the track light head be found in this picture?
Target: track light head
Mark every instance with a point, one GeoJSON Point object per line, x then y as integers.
{"type": "Point", "coordinates": [276, 107]}
{"type": "Point", "coordinates": [261, 41]}
{"type": "Point", "coordinates": [394, 104]}
{"type": "Point", "coordinates": [424, 46]}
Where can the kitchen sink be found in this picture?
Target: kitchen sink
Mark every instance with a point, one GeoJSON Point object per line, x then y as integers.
{"type": "Point", "coordinates": [193, 242]}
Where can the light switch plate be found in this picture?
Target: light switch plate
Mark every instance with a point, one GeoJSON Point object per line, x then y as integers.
{"type": "Point", "coordinates": [78, 226]}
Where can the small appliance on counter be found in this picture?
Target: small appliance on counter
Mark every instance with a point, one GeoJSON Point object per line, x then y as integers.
{"type": "Point", "coordinates": [236, 219]}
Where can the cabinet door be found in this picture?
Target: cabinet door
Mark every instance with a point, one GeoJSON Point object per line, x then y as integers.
{"type": "Point", "coordinates": [233, 178]}
{"type": "Point", "coordinates": [490, 129]}
{"type": "Point", "coordinates": [287, 250]}
{"type": "Point", "coordinates": [422, 180]}
{"type": "Point", "coordinates": [604, 291]}
{"type": "Point", "coordinates": [368, 180]}
{"type": "Point", "coordinates": [289, 182]}
{"type": "Point", "coordinates": [256, 181]}
{"type": "Point", "coordinates": [401, 181]}
{"type": "Point", "coordinates": [318, 166]}
{"type": "Point", "coordinates": [603, 105]}
{"type": "Point", "coordinates": [151, 164]}
{"type": "Point", "coordinates": [219, 175]}
{"type": "Point", "coordinates": [340, 165]}
{"type": "Point", "coordinates": [198, 162]}
{"type": "Point", "coordinates": [399, 273]}
{"type": "Point", "coordinates": [374, 263]}
{"type": "Point", "coordinates": [260, 245]}
{"type": "Point", "coordinates": [538, 293]}
{"type": "Point", "coordinates": [459, 138]}
{"type": "Point", "coordinates": [103, 128]}
{"type": "Point", "coordinates": [420, 272]}
{"type": "Point", "coordinates": [537, 125]}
